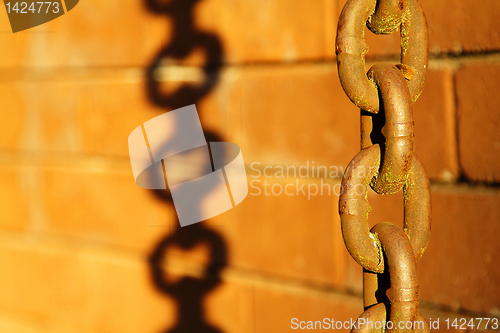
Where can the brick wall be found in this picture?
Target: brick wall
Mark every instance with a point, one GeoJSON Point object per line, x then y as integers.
{"type": "Point", "coordinates": [78, 237]}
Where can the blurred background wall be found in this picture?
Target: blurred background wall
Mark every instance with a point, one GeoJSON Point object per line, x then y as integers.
{"type": "Point", "coordinates": [83, 249]}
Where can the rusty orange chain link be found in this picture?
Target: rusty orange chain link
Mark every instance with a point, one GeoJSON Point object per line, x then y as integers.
{"type": "Point", "coordinates": [385, 251]}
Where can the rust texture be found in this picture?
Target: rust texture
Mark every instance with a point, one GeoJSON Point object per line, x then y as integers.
{"type": "Point", "coordinates": [354, 209]}
{"type": "Point", "coordinates": [351, 48]}
{"type": "Point", "coordinates": [386, 162]}
{"type": "Point", "coordinates": [387, 17]}
{"type": "Point", "coordinates": [398, 128]}
{"type": "Point", "coordinates": [402, 295]}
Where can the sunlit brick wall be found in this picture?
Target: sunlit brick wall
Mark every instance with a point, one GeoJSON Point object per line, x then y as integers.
{"type": "Point", "coordinates": [76, 232]}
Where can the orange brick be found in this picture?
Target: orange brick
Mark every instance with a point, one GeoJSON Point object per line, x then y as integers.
{"type": "Point", "coordinates": [18, 191]}
{"type": "Point", "coordinates": [21, 322]}
{"type": "Point", "coordinates": [52, 285]}
{"type": "Point", "coordinates": [459, 269]}
{"type": "Point", "coordinates": [479, 138]}
{"type": "Point", "coordinates": [312, 118]}
{"type": "Point", "coordinates": [279, 31]}
{"type": "Point", "coordinates": [285, 236]}
{"type": "Point", "coordinates": [462, 26]}
{"type": "Point", "coordinates": [118, 34]}
{"type": "Point", "coordinates": [103, 207]}
{"type": "Point", "coordinates": [13, 116]}
{"type": "Point", "coordinates": [45, 281]}
{"type": "Point", "coordinates": [275, 309]}
{"type": "Point", "coordinates": [435, 127]}
{"type": "Point", "coordinates": [94, 115]}
{"type": "Point", "coordinates": [384, 208]}
{"type": "Point", "coordinates": [379, 45]}
{"type": "Point", "coordinates": [450, 30]}
{"type": "Point", "coordinates": [94, 34]}
{"type": "Point", "coordinates": [296, 114]}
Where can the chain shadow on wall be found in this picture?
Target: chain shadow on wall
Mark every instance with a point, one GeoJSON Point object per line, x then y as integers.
{"type": "Point", "coordinates": [188, 292]}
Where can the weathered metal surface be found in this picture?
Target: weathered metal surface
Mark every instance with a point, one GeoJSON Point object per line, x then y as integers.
{"type": "Point", "coordinates": [403, 293]}
{"type": "Point", "coordinates": [351, 48]}
{"type": "Point", "coordinates": [398, 128]}
{"type": "Point", "coordinates": [387, 17]}
{"type": "Point", "coordinates": [354, 209]}
{"type": "Point", "coordinates": [386, 162]}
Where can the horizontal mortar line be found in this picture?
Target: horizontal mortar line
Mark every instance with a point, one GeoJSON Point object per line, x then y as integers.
{"type": "Point", "coordinates": [466, 187]}
{"type": "Point", "coordinates": [298, 287]}
{"type": "Point", "coordinates": [64, 160]}
{"type": "Point", "coordinates": [121, 164]}
{"type": "Point", "coordinates": [52, 242]}
{"type": "Point", "coordinates": [138, 74]}
{"type": "Point", "coordinates": [63, 243]}
{"type": "Point", "coordinates": [43, 320]}
{"type": "Point", "coordinates": [443, 311]}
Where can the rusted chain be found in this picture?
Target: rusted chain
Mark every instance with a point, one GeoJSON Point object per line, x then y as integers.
{"type": "Point", "coordinates": [403, 293]}
{"type": "Point", "coordinates": [398, 128]}
{"type": "Point", "coordinates": [351, 49]}
{"type": "Point", "coordinates": [354, 209]}
{"type": "Point", "coordinates": [386, 164]}
{"type": "Point", "coordinates": [387, 17]}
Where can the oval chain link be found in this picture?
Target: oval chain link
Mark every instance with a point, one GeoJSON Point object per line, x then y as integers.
{"type": "Point", "coordinates": [386, 166]}
{"type": "Point", "coordinates": [351, 49]}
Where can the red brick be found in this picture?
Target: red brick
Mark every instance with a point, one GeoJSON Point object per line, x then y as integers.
{"type": "Point", "coordinates": [105, 207]}
{"type": "Point", "coordinates": [462, 26]}
{"type": "Point", "coordinates": [275, 309]}
{"type": "Point", "coordinates": [479, 119]}
{"type": "Point", "coordinates": [435, 127]}
{"type": "Point", "coordinates": [379, 45]}
{"type": "Point", "coordinates": [19, 195]}
{"type": "Point", "coordinates": [285, 236]}
{"type": "Point", "coordinates": [53, 286]}
{"type": "Point", "coordinates": [94, 34]}
{"type": "Point", "coordinates": [296, 114]}
{"type": "Point", "coordinates": [384, 208]}
{"type": "Point", "coordinates": [459, 269]}
{"type": "Point", "coordinates": [13, 115]}
{"type": "Point", "coordinates": [119, 34]}
{"type": "Point", "coordinates": [450, 29]}
{"type": "Point", "coordinates": [279, 31]}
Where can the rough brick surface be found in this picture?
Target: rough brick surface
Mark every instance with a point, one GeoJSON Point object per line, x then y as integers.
{"type": "Point", "coordinates": [463, 251]}
{"type": "Point", "coordinates": [132, 35]}
{"type": "Point", "coordinates": [299, 114]}
{"type": "Point", "coordinates": [454, 27]}
{"type": "Point", "coordinates": [435, 127]}
{"type": "Point", "coordinates": [78, 237]}
{"type": "Point", "coordinates": [305, 29]}
{"type": "Point", "coordinates": [276, 309]}
{"type": "Point", "coordinates": [463, 26]}
{"type": "Point", "coordinates": [479, 120]}
{"type": "Point", "coordinates": [298, 242]}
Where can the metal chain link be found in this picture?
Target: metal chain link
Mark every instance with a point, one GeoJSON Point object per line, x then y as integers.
{"type": "Point", "coordinates": [385, 251]}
